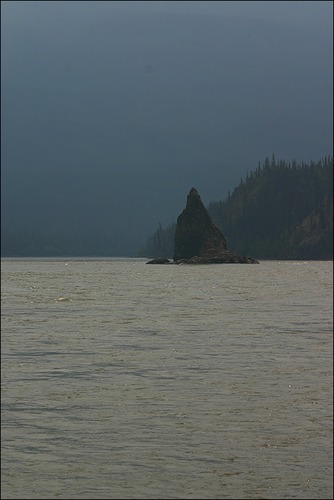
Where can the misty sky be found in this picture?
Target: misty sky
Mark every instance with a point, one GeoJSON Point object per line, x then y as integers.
{"type": "Point", "coordinates": [112, 111]}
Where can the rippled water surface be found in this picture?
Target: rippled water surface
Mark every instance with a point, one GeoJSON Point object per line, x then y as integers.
{"type": "Point", "coordinates": [122, 380]}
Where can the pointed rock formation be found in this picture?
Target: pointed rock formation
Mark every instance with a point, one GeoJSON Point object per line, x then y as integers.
{"type": "Point", "coordinates": [198, 240]}
{"type": "Point", "coordinates": [195, 233]}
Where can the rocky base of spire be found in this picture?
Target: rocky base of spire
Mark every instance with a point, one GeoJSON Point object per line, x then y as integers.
{"type": "Point", "coordinates": [159, 260]}
{"type": "Point", "coordinates": [227, 258]}
{"type": "Point", "coordinates": [221, 259]}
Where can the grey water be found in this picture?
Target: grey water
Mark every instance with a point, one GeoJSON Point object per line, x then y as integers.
{"type": "Point", "coordinates": [122, 380]}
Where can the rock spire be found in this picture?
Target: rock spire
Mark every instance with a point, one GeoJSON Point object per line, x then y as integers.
{"type": "Point", "coordinates": [198, 240]}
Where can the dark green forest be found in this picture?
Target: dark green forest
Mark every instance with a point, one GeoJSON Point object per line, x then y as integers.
{"type": "Point", "coordinates": [280, 211]}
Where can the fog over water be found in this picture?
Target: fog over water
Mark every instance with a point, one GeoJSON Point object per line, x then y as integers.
{"type": "Point", "coordinates": [111, 111]}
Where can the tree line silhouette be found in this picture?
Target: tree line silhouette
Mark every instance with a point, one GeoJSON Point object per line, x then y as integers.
{"type": "Point", "coordinates": [280, 211]}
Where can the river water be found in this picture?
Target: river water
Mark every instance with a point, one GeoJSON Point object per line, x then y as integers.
{"type": "Point", "coordinates": [122, 380]}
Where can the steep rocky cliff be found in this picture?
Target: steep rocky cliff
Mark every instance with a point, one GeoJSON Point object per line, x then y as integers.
{"type": "Point", "coordinates": [198, 240]}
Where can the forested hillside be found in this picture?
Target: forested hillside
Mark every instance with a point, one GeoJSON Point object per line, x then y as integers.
{"type": "Point", "coordinates": [280, 211]}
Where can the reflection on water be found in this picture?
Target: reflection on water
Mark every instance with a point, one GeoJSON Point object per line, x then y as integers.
{"type": "Point", "coordinates": [121, 380]}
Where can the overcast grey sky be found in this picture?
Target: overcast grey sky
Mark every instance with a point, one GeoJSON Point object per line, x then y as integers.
{"type": "Point", "coordinates": [112, 111]}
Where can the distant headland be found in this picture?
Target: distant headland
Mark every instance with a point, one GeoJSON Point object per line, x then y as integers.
{"type": "Point", "coordinates": [198, 240]}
